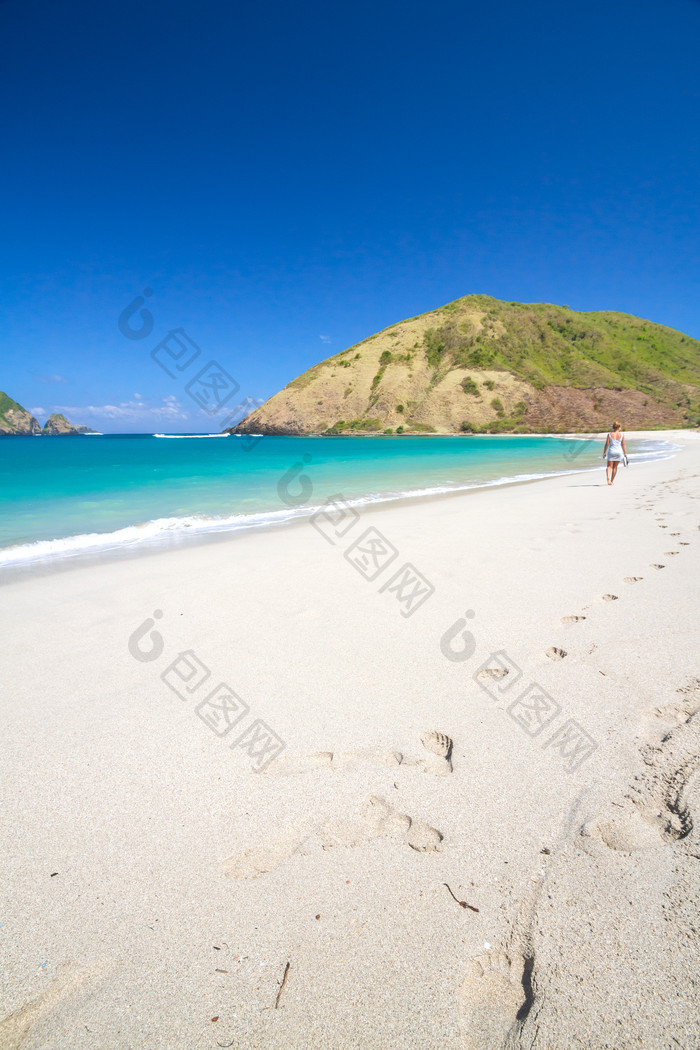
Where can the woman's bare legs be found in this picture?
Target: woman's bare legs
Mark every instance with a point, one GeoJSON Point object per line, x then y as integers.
{"type": "Point", "coordinates": [611, 470]}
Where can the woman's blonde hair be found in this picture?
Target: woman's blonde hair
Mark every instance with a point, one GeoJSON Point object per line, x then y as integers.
{"type": "Point", "coordinates": [616, 426]}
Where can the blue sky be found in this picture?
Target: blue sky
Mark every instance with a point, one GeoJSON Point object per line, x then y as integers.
{"type": "Point", "coordinates": [288, 179]}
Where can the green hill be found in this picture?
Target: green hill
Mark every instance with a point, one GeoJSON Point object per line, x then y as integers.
{"type": "Point", "coordinates": [58, 424]}
{"type": "Point", "coordinates": [14, 419]}
{"type": "Point", "coordinates": [483, 365]}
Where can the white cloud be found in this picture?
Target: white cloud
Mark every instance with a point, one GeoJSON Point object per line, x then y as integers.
{"type": "Point", "coordinates": [325, 339]}
{"type": "Point", "coordinates": [127, 411]}
{"type": "Point", "coordinates": [141, 414]}
{"type": "Point", "coordinates": [45, 378]}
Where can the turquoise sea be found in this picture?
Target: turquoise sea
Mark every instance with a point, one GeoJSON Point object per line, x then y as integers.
{"type": "Point", "coordinates": [63, 496]}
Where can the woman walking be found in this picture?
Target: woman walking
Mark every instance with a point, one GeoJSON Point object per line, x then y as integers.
{"type": "Point", "coordinates": [615, 450]}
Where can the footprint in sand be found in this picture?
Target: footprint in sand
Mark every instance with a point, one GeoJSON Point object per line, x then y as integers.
{"type": "Point", "coordinates": [632, 579]}
{"type": "Point", "coordinates": [682, 801]}
{"type": "Point", "coordinates": [439, 760]}
{"type": "Point", "coordinates": [669, 808]}
{"type": "Point", "coordinates": [658, 566]}
{"type": "Point", "coordinates": [609, 597]}
{"type": "Point", "coordinates": [663, 801]}
{"type": "Point", "coordinates": [440, 747]}
{"type": "Point", "coordinates": [675, 714]}
{"type": "Point", "coordinates": [490, 673]}
{"type": "Point", "coordinates": [495, 998]}
{"type": "Point", "coordinates": [289, 765]}
{"type": "Point", "coordinates": [669, 554]}
{"type": "Point", "coordinates": [572, 619]}
{"type": "Point", "coordinates": [555, 654]}
{"type": "Point", "coordinates": [626, 832]}
{"type": "Point", "coordinates": [682, 544]}
{"type": "Point", "coordinates": [377, 819]}
{"type": "Point", "coordinates": [70, 983]}
{"type": "Point", "coordinates": [374, 819]}
{"type": "Point", "coordinates": [266, 856]}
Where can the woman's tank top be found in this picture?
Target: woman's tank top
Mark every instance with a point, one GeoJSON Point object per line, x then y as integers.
{"type": "Point", "coordinates": [615, 449]}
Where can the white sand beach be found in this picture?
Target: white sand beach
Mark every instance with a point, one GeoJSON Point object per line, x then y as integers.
{"type": "Point", "coordinates": [159, 892]}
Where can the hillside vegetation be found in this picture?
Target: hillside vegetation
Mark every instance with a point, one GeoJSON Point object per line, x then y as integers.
{"type": "Point", "coordinates": [483, 365]}
{"type": "Point", "coordinates": [14, 419]}
{"type": "Point", "coordinates": [17, 421]}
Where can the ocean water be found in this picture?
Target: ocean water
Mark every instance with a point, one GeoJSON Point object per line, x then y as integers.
{"type": "Point", "coordinates": [63, 496]}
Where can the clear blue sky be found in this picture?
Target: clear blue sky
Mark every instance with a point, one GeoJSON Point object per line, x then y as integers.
{"type": "Point", "coordinates": [290, 178]}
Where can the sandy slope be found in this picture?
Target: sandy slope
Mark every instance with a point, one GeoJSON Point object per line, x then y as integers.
{"type": "Point", "coordinates": [153, 882]}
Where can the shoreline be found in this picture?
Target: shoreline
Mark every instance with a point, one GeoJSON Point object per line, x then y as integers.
{"type": "Point", "coordinates": [599, 434]}
{"type": "Point", "coordinates": [168, 534]}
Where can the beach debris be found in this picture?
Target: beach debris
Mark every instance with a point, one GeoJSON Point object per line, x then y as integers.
{"type": "Point", "coordinates": [462, 904]}
{"type": "Point", "coordinates": [658, 566]}
{"type": "Point", "coordinates": [284, 981]}
{"type": "Point", "coordinates": [572, 619]}
{"type": "Point", "coordinates": [609, 597]}
{"type": "Point", "coordinates": [670, 553]}
{"type": "Point", "coordinates": [318, 916]}
{"type": "Point", "coordinates": [220, 971]}
{"type": "Point", "coordinates": [215, 1019]}
{"type": "Point", "coordinates": [632, 579]}
{"type": "Point", "coordinates": [52, 874]}
{"type": "Point", "coordinates": [422, 838]}
{"type": "Point", "coordinates": [681, 543]}
{"type": "Point", "coordinates": [555, 654]}
{"type": "Point", "coordinates": [546, 851]}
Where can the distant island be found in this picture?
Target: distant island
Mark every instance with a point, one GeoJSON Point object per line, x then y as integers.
{"type": "Point", "coordinates": [14, 420]}
{"type": "Point", "coordinates": [480, 365]}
